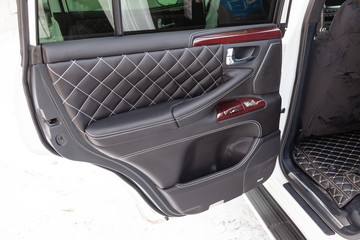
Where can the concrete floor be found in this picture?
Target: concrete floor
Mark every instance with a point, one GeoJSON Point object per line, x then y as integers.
{"type": "Point", "coordinates": [47, 197]}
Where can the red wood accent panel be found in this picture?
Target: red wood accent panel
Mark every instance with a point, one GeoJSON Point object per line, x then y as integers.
{"type": "Point", "coordinates": [249, 35]}
{"type": "Point", "coordinates": [239, 106]}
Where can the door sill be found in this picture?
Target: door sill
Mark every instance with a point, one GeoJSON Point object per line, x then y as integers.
{"type": "Point", "coordinates": [276, 220]}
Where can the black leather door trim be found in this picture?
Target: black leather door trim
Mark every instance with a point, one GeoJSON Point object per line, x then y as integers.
{"type": "Point", "coordinates": [190, 111]}
{"type": "Point", "coordinates": [176, 147]}
{"type": "Point", "coordinates": [191, 138]}
{"type": "Point", "coordinates": [98, 88]}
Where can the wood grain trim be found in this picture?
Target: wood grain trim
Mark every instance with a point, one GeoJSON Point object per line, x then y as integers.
{"type": "Point", "coordinates": [249, 35]}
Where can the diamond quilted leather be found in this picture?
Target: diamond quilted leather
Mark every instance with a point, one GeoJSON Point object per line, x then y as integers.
{"type": "Point", "coordinates": [333, 162]}
{"type": "Point", "coordinates": [93, 89]}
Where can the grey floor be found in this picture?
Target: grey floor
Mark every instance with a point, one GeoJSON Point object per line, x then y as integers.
{"type": "Point", "coordinates": [47, 197]}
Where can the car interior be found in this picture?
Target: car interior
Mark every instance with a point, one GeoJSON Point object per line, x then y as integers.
{"type": "Point", "coordinates": [322, 151]}
{"type": "Point", "coordinates": [175, 102]}
{"type": "Point", "coordinates": [188, 116]}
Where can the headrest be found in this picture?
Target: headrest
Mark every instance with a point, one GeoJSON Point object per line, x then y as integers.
{"type": "Point", "coordinates": [347, 19]}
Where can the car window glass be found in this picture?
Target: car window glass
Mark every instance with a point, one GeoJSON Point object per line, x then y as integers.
{"type": "Point", "coordinates": [167, 15]}
{"type": "Point", "coordinates": [74, 19]}
{"type": "Point", "coordinates": [60, 20]}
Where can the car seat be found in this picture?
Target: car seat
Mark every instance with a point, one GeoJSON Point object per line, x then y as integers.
{"type": "Point", "coordinates": [331, 100]}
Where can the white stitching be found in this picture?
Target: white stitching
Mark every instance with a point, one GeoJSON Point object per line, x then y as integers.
{"type": "Point", "coordinates": [79, 89]}
{"type": "Point", "coordinates": [226, 171]}
{"type": "Point", "coordinates": [190, 138]}
{"type": "Point", "coordinates": [204, 66]}
{"type": "Point", "coordinates": [134, 86]}
{"type": "Point", "coordinates": [214, 100]}
{"type": "Point", "coordinates": [79, 111]}
{"type": "Point", "coordinates": [167, 72]}
{"type": "Point", "coordinates": [62, 75]}
{"type": "Point", "coordinates": [146, 77]}
{"type": "Point", "coordinates": [222, 173]}
{"type": "Point", "coordinates": [191, 76]}
{"type": "Point", "coordinates": [121, 81]}
{"type": "Point", "coordinates": [131, 130]}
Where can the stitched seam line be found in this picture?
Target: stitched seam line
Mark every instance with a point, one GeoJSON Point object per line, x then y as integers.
{"type": "Point", "coordinates": [187, 139]}
{"type": "Point", "coordinates": [214, 100]}
{"type": "Point", "coordinates": [135, 129]}
{"type": "Point", "coordinates": [321, 173]}
{"type": "Point", "coordinates": [216, 175]}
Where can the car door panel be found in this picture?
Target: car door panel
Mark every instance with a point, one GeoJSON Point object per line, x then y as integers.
{"type": "Point", "coordinates": [92, 89]}
{"type": "Point", "coordinates": [197, 195]}
{"type": "Point", "coordinates": [159, 118]}
{"type": "Point", "coordinates": [149, 104]}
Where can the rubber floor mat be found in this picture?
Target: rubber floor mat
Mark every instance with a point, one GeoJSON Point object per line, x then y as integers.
{"type": "Point", "coordinates": [333, 162]}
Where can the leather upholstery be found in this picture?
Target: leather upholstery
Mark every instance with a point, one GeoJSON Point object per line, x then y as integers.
{"type": "Point", "coordinates": [333, 162]}
{"type": "Point", "coordinates": [93, 89]}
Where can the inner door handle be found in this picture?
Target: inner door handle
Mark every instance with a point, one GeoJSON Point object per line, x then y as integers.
{"type": "Point", "coordinates": [231, 59]}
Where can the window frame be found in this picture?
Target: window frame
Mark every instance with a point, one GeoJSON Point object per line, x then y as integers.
{"type": "Point", "coordinates": [274, 17]}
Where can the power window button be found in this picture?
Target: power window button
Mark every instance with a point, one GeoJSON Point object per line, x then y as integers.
{"type": "Point", "coordinates": [234, 110]}
{"type": "Point", "coordinates": [250, 103]}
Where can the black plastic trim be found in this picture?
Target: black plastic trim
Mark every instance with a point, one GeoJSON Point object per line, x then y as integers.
{"type": "Point", "coordinates": [276, 220]}
{"type": "Point", "coordinates": [282, 28]}
{"type": "Point", "coordinates": [288, 13]}
{"type": "Point", "coordinates": [278, 12]}
{"type": "Point", "coordinates": [37, 22]}
{"type": "Point", "coordinates": [24, 51]}
{"type": "Point", "coordinates": [117, 17]}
